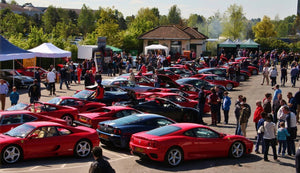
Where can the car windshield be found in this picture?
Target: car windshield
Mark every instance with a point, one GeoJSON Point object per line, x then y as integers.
{"type": "Point", "coordinates": [55, 100]}
{"type": "Point", "coordinates": [84, 94]}
{"type": "Point", "coordinates": [163, 130]}
{"type": "Point", "coordinates": [127, 120]}
{"type": "Point", "coordinates": [21, 131]}
{"type": "Point", "coordinates": [19, 106]}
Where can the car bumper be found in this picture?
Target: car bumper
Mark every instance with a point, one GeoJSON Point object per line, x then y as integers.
{"type": "Point", "coordinates": [147, 152]}
{"type": "Point", "coordinates": [116, 140]}
{"type": "Point", "coordinates": [82, 124]}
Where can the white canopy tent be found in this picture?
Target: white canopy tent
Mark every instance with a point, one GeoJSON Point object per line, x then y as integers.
{"type": "Point", "coordinates": [48, 50]}
{"type": "Point", "coordinates": [156, 47]}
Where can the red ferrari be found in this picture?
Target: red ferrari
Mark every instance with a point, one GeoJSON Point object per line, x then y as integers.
{"type": "Point", "coordinates": [66, 113]}
{"type": "Point", "coordinates": [81, 105]}
{"type": "Point", "coordinates": [92, 118]}
{"type": "Point", "coordinates": [218, 80]}
{"type": "Point", "coordinates": [46, 139]}
{"type": "Point", "coordinates": [186, 141]}
{"type": "Point", "coordinates": [29, 71]}
{"type": "Point", "coordinates": [11, 119]}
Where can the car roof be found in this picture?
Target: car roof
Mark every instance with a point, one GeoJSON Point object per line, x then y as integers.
{"type": "Point", "coordinates": [187, 125]}
{"type": "Point", "coordinates": [43, 123]}
{"type": "Point", "coordinates": [15, 112]}
{"type": "Point", "coordinates": [118, 107]}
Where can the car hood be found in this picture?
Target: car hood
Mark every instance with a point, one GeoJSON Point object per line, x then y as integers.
{"type": "Point", "coordinates": [25, 78]}
{"type": "Point", "coordinates": [7, 139]}
{"type": "Point", "coordinates": [92, 115]}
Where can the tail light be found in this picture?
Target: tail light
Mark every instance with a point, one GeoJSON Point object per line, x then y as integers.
{"type": "Point", "coordinates": [117, 131]}
{"type": "Point", "coordinates": [152, 144]}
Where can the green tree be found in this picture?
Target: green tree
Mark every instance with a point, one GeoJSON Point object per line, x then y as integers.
{"type": "Point", "coordinates": [264, 29]}
{"type": "Point", "coordinates": [36, 37]}
{"type": "Point", "coordinates": [163, 20]}
{"type": "Point", "coordinates": [107, 26]}
{"type": "Point", "coordinates": [86, 20]}
{"type": "Point", "coordinates": [13, 2]}
{"type": "Point", "coordinates": [195, 20]}
{"type": "Point", "coordinates": [234, 20]}
{"type": "Point", "coordinates": [50, 18]}
{"type": "Point", "coordinates": [174, 15]}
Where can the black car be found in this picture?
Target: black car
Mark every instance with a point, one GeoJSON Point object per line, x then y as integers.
{"type": "Point", "coordinates": [15, 78]}
{"type": "Point", "coordinates": [198, 83]}
{"type": "Point", "coordinates": [109, 96]}
{"type": "Point", "coordinates": [118, 132]}
{"type": "Point", "coordinates": [169, 109]}
{"type": "Point", "coordinates": [222, 72]}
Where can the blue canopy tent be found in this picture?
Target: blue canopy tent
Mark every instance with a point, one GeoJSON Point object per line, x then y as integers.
{"type": "Point", "coordinates": [9, 51]}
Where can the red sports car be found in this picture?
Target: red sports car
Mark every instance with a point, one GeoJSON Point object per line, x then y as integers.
{"type": "Point", "coordinates": [46, 139]}
{"type": "Point", "coordinates": [185, 141]}
{"type": "Point", "coordinates": [218, 80]}
{"type": "Point", "coordinates": [29, 71]}
{"type": "Point", "coordinates": [81, 105]}
{"type": "Point", "coordinates": [176, 90]}
{"type": "Point", "coordinates": [92, 118]}
{"type": "Point", "coordinates": [11, 119]}
{"type": "Point", "coordinates": [66, 113]}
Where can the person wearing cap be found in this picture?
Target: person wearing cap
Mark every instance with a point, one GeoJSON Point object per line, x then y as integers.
{"type": "Point", "coordinates": [226, 106]}
{"type": "Point", "coordinates": [100, 165]}
{"type": "Point", "coordinates": [34, 91]}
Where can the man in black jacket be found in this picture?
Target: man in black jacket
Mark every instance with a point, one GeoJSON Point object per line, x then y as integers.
{"type": "Point", "coordinates": [100, 165]}
{"type": "Point", "coordinates": [201, 104]}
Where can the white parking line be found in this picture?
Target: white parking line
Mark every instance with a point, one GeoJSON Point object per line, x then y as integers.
{"type": "Point", "coordinates": [113, 153]}
{"type": "Point", "coordinates": [34, 168]}
{"type": "Point", "coordinates": [62, 166]}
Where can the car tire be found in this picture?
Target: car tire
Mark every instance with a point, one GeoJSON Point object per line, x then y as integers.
{"type": "Point", "coordinates": [82, 148]}
{"type": "Point", "coordinates": [237, 150]}
{"type": "Point", "coordinates": [229, 86]}
{"type": "Point", "coordinates": [174, 156]}
{"type": "Point", "coordinates": [68, 118]}
{"type": "Point", "coordinates": [11, 154]}
{"type": "Point", "coordinates": [254, 72]}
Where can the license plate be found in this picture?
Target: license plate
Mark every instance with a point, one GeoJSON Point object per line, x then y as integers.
{"type": "Point", "coordinates": [103, 136]}
{"type": "Point", "coordinates": [140, 150]}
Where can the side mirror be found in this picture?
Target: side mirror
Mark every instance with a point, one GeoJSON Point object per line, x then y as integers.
{"type": "Point", "coordinates": [222, 135]}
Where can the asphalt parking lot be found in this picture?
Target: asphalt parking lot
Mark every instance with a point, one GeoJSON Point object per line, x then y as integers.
{"type": "Point", "coordinates": [123, 162]}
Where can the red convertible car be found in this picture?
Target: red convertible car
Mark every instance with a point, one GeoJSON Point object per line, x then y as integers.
{"type": "Point", "coordinates": [12, 119]}
{"type": "Point", "coordinates": [29, 71]}
{"type": "Point", "coordinates": [185, 141]}
{"type": "Point", "coordinates": [66, 113]}
{"type": "Point", "coordinates": [81, 105]}
{"type": "Point", "coordinates": [218, 80]}
{"type": "Point", "coordinates": [91, 119]}
{"type": "Point", "coordinates": [46, 139]}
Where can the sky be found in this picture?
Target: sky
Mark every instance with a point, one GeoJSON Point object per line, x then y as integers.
{"type": "Point", "coordinates": [206, 8]}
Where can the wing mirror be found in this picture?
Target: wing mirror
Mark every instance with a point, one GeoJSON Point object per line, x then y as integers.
{"type": "Point", "coordinates": [33, 136]}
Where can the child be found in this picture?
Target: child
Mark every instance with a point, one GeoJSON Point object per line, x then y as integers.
{"type": "Point", "coordinates": [14, 96]}
{"type": "Point", "coordinates": [282, 133]}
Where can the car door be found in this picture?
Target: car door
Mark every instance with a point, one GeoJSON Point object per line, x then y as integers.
{"type": "Point", "coordinates": [209, 143]}
{"type": "Point", "coordinates": [171, 110]}
{"type": "Point", "coordinates": [41, 143]}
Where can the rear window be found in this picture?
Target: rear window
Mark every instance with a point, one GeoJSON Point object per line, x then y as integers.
{"type": "Point", "coordinates": [163, 130]}
{"type": "Point", "coordinates": [127, 120]}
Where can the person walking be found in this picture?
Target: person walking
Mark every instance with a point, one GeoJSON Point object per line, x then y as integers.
{"type": "Point", "coordinates": [100, 165]}
{"type": "Point", "coordinates": [51, 81]}
{"type": "Point", "coordinates": [265, 73]}
{"type": "Point", "coordinates": [64, 77]}
{"type": "Point", "coordinates": [226, 106]}
{"type": "Point", "coordinates": [291, 125]}
{"type": "Point", "coordinates": [294, 74]}
{"type": "Point", "coordinates": [3, 93]}
{"type": "Point", "coordinates": [213, 100]}
{"type": "Point", "coordinates": [283, 77]}
{"type": "Point", "coordinates": [14, 96]}
{"type": "Point", "coordinates": [260, 140]}
{"type": "Point", "coordinates": [282, 134]}
{"type": "Point", "coordinates": [244, 116]}
{"type": "Point", "coordinates": [273, 76]}
{"type": "Point", "coordinates": [269, 130]}
{"type": "Point", "coordinates": [201, 104]}
{"type": "Point", "coordinates": [237, 110]}
{"type": "Point", "coordinates": [34, 91]}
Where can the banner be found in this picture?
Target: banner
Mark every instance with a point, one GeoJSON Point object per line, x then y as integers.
{"type": "Point", "coordinates": [29, 62]}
